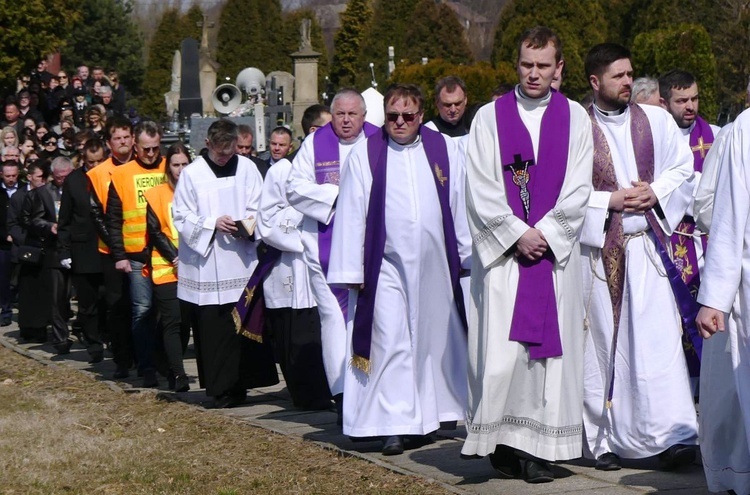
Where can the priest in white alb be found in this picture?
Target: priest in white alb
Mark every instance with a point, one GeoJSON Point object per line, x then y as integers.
{"type": "Point", "coordinates": [400, 243]}
{"type": "Point", "coordinates": [725, 369]}
{"type": "Point", "coordinates": [312, 189]}
{"type": "Point", "coordinates": [217, 190]}
{"type": "Point", "coordinates": [638, 399]}
{"type": "Point", "coordinates": [528, 177]}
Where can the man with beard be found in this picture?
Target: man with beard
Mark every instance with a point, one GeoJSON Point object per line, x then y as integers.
{"type": "Point", "coordinates": [637, 397]}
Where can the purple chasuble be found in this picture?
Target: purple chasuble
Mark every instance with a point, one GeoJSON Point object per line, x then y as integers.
{"type": "Point", "coordinates": [327, 171]}
{"type": "Point", "coordinates": [375, 235]}
{"type": "Point", "coordinates": [248, 313]}
{"type": "Point", "coordinates": [613, 253]}
{"type": "Point", "coordinates": [531, 196]}
{"type": "Point", "coordinates": [684, 254]}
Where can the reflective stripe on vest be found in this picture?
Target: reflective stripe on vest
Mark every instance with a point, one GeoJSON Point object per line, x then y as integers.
{"type": "Point", "coordinates": [160, 200]}
{"type": "Point", "coordinates": [132, 182]}
{"type": "Point", "coordinates": [100, 178]}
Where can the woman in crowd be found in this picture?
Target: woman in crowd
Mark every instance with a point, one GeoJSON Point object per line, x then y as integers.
{"type": "Point", "coordinates": [41, 129]}
{"type": "Point", "coordinates": [28, 148]}
{"type": "Point", "coordinates": [162, 239]}
{"type": "Point", "coordinates": [95, 120]}
{"type": "Point", "coordinates": [8, 137]}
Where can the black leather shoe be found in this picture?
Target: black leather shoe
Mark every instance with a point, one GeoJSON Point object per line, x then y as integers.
{"type": "Point", "coordinates": [96, 357]}
{"type": "Point", "coordinates": [448, 425]}
{"type": "Point", "coordinates": [121, 372]}
{"type": "Point", "coordinates": [63, 347]}
{"type": "Point", "coordinates": [5, 322]}
{"type": "Point", "coordinates": [608, 462]}
{"type": "Point", "coordinates": [149, 379]}
{"type": "Point", "coordinates": [536, 471]}
{"type": "Point", "coordinates": [676, 456]}
{"type": "Point", "coordinates": [181, 383]}
{"type": "Point", "coordinates": [393, 445]}
{"type": "Point", "coordinates": [505, 462]}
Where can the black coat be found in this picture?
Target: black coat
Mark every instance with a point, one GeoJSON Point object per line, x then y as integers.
{"type": "Point", "coordinates": [15, 228]}
{"type": "Point", "coordinates": [76, 231]}
{"type": "Point", "coordinates": [38, 217]}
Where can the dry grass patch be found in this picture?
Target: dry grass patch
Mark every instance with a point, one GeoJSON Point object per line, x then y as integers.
{"type": "Point", "coordinates": [62, 432]}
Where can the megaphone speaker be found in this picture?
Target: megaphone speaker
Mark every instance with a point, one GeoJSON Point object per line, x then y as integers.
{"type": "Point", "coordinates": [226, 98]}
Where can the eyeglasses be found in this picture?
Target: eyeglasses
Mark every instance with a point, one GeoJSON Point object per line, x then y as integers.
{"type": "Point", "coordinates": [51, 143]}
{"type": "Point", "coordinates": [63, 77]}
{"type": "Point", "coordinates": [150, 149]}
{"type": "Point", "coordinates": [407, 116]}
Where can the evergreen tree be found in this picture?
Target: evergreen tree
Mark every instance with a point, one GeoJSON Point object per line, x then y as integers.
{"type": "Point", "coordinates": [166, 41]}
{"type": "Point", "coordinates": [686, 47]}
{"type": "Point", "coordinates": [348, 40]}
{"type": "Point", "coordinates": [579, 25]}
{"type": "Point", "coordinates": [32, 30]}
{"type": "Point", "coordinates": [106, 35]}
{"type": "Point", "coordinates": [387, 27]}
{"type": "Point", "coordinates": [250, 34]}
{"type": "Point", "coordinates": [434, 32]}
{"type": "Point", "coordinates": [192, 23]}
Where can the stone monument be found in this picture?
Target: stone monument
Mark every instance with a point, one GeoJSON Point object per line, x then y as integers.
{"type": "Point", "coordinates": [305, 76]}
{"type": "Point", "coordinates": [208, 69]}
{"type": "Point", "coordinates": [172, 98]}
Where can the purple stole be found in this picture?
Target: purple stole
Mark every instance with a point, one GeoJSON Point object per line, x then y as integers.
{"type": "Point", "coordinates": [375, 235]}
{"type": "Point", "coordinates": [683, 246]}
{"type": "Point", "coordinates": [248, 312]}
{"type": "Point", "coordinates": [327, 171]}
{"type": "Point", "coordinates": [613, 253]}
{"type": "Point", "coordinates": [531, 196]}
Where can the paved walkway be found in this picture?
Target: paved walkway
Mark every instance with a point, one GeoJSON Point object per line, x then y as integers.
{"type": "Point", "coordinates": [271, 408]}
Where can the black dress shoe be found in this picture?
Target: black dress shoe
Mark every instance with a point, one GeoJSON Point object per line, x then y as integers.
{"type": "Point", "coordinates": [63, 347]}
{"type": "Point", "coordinates": [676, 456]}
{"type": "Point", "coordinates": [121, 372]}
{"type": "Point", "coordinates": [506, 463]}
{"type": "Point", "coordinates": [5, 322]}
{"type": "Point", "coordinates": [608, 462]}
{"type": "Point", "coordinates": [393, 445]}
{"type": "Point", "coordinates": [181, 383]}
{"type": "Point", "coordinates": [536, 471]}
{"type": "Point", "coordinates": [96, 357]}
{"type": "Point", "coordinates": [448, 425]}
{"type": "Point", "coordinates": [149, 379]}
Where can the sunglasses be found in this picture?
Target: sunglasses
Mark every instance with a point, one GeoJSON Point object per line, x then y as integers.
{"type": "Point", "coordinates": [150, 149]}
{"type": "Point", "coordinates": [407, 116]}
{"type": "Point", "coordinates": [51, 143]}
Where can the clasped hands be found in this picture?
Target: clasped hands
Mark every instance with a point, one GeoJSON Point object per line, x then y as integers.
{"type": "Point", "coordinates": [637, 199]}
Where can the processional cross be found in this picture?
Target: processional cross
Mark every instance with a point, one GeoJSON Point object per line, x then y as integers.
{"type": "Point", "coordinates": [520, 169]}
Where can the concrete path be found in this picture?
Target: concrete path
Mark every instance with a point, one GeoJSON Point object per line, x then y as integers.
{"type": "Point", "coordinates": [271, 408]}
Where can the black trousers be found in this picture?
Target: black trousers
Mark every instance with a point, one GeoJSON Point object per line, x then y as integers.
{"type": "Point", "coordinates": [228, 363]}
{"type": "Point", "coordinates": [60, 279]}
{"type": "Point", "coordinates": [295, 334]}
{"type": "Point", "coordinates": [174, 325]}
{"type": "Point", "coordinates": [117, 300]}
{"type": "Point", "coordinates": [88, 289]}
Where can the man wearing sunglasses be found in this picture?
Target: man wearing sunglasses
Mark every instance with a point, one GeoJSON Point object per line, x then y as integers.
{"type": "Point", "coordinates": [126, 225]}
{"type": "Point", "coordinates": [312, 189]}
{"type": "Point", "coordinates": [528, 173]}
{"type": "Point", "coordinates": [402, 198]}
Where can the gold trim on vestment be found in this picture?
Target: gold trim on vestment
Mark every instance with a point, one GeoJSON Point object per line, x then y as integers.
{"type": "Point", "coordinates": [362, 364]}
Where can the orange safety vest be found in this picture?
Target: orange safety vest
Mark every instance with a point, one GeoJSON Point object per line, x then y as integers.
{"type": "Point", "coordinates": [159, 198]}
{"type": "Point", "coordinates": [131, 181]}
{"type": "Point", "coordinates": [100, 177]}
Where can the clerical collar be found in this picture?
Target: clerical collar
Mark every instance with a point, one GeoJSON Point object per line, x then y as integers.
{"type": "Point", "coordinates": [453, 130]}
{"type": "Point", "coordinates": [520, 95]}
{"type": "Point", "coordinates": [611, 113]}
{"type": "Point", "coordinates": [399, 146]}
{"type": "Point", "coordinates": [228, 170]}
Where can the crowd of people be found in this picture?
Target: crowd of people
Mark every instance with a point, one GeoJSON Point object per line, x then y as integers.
{"type": "Point", "coordinates": [533, 267]}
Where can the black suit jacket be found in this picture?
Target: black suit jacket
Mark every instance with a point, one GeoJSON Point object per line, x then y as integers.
{"type": "Point", "coordinates": [15, 228]}
{"type": "Point", "coordinates": [76, 231]}
{"type": "Point", "coordinates": [38, 217]}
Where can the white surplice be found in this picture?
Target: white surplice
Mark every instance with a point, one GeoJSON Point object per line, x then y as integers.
{"type": "Point", "coordinates": [652, 406]}
{"type": "Point", "coordinates": [316, 202]}
{"type": "Point", "coordinates": [418, 352]}
{"type": "Point", "coordinates": [531, 405]}
{"type": "Point", "coordinates": [288, 283]}
{"type": "Point", "coordinates": [725, 369]}
{"type": "Point", "coordinates": [214, 267]}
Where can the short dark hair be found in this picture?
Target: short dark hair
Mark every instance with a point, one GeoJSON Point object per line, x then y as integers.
{"type": "Point", "coordinates": [11, 163]}
{"type": "Point", "coordinates": [449, 83]}
{"type": "Point", "coordinates": [222, 132]}
{"type": "Point", "coordinates": [539, 37]}
{"type": "Point", "coordinates": [93, 146]}
{"type": "Point", "coordinates": [37, 165]}
{"type": "Point", "coordinates": [282, 130]}
{"type": "Point", "coordinates": [312, 116]}
{"type": "Point", "coordinates": [502, 89]}
{"type": "Point", "coordinates": [602, 56]}
{"type": "Point", "coordinates": [674, 79]}
{"type": "Point", "coordinates": [117, 122]}
{"type": "Point", "coordinates": [404, 91]}
{"type": "Point", "coordinates": [246, 130]}
{"type": "Point", "coordinates": [150, 128]}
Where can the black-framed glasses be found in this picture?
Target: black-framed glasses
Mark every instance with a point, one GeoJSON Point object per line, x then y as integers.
{"type": "Point", "coordinates": [150, 149]}
{"type": "Point", "coordinates": [407, 116]}
{"type": "Point", "coordinates": [51, 143]}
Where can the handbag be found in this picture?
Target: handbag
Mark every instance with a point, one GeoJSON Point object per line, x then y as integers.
{"type": "Point", "coordinates": [30, 255]}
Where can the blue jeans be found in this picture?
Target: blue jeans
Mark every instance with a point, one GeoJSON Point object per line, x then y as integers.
{"type": "Point", "coordinates": [144, 324]}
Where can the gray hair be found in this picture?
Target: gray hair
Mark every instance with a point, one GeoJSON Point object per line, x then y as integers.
{"type": "Point", "coordinates": [6, 149]}
{"type": "Point", "coordinates": [644, 87]}
{"type": "Point", "coordinates": [105, 90]}
{"type": "Point", "coordinates": [348, 93]}
{"type": "Point", "coordinates": [61, 163]}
